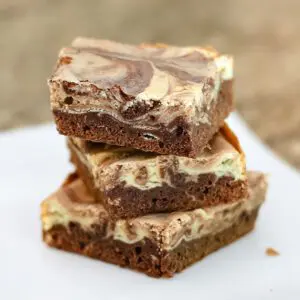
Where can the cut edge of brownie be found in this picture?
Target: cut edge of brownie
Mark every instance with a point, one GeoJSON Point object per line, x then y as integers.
{"type": "Point", "coordinates": [145, 256]}
{"type": "Point", "coordinates": [184, 141]}
{"type": "Point", "coordinates": [133, 202]}
{"type": "Point", "coordinates": [158, 245]}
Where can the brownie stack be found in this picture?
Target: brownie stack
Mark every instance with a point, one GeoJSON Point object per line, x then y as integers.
{"type": "Point", "coordinates": [160, 178]}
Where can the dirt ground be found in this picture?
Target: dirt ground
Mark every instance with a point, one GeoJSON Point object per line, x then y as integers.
{"type": "Point", "coordinates": [264, 37]}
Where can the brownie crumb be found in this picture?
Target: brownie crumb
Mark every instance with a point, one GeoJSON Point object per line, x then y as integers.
{"type": "Point", "coordinates": [272, 252]}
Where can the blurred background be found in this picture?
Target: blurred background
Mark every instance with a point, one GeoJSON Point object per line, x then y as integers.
{"type": "Point", "coordinates": [264, 37]}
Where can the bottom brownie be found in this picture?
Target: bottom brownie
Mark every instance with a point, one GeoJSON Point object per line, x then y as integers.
{"type": "Point", "coordinates": [158, 245]}
{"type": "Point", "coordinates": [139, 256]}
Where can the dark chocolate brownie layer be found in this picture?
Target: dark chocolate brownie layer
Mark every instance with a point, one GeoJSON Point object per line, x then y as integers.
{"type": "Point", "coordinates": [131, 202]}
{"type": "Point", "coordinates": [185, 140]}
{"type": "Point", "coordinates": [145, 256]}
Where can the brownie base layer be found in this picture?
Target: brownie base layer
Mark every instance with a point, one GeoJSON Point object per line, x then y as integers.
{"type": "Point", "coordinates": [130, 202]}
{"type": "Point", "coordinates": [145, 256]}
{"type": "Point", "coordinates": [186, 140]}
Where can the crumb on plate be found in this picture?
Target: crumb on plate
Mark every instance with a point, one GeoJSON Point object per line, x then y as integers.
{"type": "Point", "coordinates": [272, 252]}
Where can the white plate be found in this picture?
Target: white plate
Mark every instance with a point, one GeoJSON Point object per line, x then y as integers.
{"type": "Point", "coordinates": [34, 161]}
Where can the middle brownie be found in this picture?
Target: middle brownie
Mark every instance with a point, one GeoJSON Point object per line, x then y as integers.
{"type": "Point", "coordinates": [132, 183]}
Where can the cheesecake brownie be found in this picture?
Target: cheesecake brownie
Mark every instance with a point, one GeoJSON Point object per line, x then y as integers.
{"type": "Point", "coordinates": [159, 244]}
{"type": "Point", "coordinates": [132, 183]}
{"type": "Point", "coordinates": [157, 98]}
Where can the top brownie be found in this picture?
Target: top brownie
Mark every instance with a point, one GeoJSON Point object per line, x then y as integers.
{"type": "Point", "coordinates": [158, 98]}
